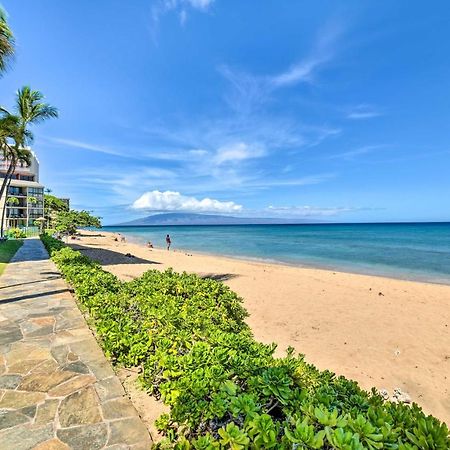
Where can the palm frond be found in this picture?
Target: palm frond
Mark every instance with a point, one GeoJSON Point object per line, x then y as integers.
{"type": "Point", "coordinates": [30, 107]}
{"type": "Point", "coordinates": [6, 42]}
{"type": "Point", "coordinates": [24, 156]}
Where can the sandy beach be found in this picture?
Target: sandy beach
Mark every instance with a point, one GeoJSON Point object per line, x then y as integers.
{"type": "Point", "coordinates": [381, 332]}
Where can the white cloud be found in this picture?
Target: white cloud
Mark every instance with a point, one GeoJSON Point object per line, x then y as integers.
{"type": "Point", "coordinates": [200, 4]}
{"type": "Point", "coordinates": [183, 17]}
{"type": "Point", "coordinates": [361, 112]}
{"type": "Point", "coordinates": [181, 7]}
{"type": "Point", "coordinates": [299, 72]}
{"type": "Point", "coordinates": [134, 153]}
{"type": "Point", "coordinates": [302, 181]}
{"type": "Point", "coordinates": [352, 154]}
{"type": "Point", "coordinates": [174, 201]}
{"type": "Point", "coordinates": [87, 146]}
{"type": "Point", "coordinates": [307, 211]}
{"type": "Point", "coordinates": [237, 152]}
{"type": "Point", "coordinates": [198, 152]}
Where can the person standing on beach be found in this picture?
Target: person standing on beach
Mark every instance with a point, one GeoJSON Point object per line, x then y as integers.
{"type": "Point", "coordinates": [168, 242]}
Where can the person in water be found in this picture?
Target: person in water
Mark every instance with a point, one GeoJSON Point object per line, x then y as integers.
{"type": "Point", "coordinates": [168, 242]}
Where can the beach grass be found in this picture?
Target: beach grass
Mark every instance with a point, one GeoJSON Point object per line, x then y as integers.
{"type": "Point", "coordinates": [7, 251]}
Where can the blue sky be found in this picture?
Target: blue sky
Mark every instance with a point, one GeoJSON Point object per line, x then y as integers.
{"type": "Point", "coordinates": [315, 109]}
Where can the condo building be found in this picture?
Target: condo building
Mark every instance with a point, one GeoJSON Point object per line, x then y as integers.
{"type": "Point", "coordinates": [25, 194]}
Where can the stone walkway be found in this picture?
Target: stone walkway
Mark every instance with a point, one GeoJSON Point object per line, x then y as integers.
{"type": "Point", "coordinates": [57, 390]}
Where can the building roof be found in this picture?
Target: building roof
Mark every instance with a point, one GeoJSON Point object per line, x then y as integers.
{"type": "Point", "coordinates": [24, 183]}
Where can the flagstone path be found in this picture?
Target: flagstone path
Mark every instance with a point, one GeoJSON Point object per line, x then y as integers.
{"type": "Point", "coordinates": [57, 390]}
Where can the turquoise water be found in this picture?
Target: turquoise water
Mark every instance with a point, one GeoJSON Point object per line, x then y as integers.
{"type": "Point", "coordinates": [418, 251]}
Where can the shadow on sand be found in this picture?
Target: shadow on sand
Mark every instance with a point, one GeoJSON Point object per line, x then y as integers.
{"type": "Point", "coordinates": [219, 276]}
{"type": "Point", "coordinates": [109, 257]}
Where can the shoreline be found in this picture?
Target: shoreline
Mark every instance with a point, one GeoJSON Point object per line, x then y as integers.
{"type": "Point", "coordinates": [299, 265]}
{"type": "Point", "coordinates": [382, 332]}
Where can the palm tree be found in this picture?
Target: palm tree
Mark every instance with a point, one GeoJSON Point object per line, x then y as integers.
{"type": "Point", "coordinates": [6, 42]}
{"type": "Point", "coordinates": [30, 109]}
{"type": "Point", "coordinates": [24, 157]}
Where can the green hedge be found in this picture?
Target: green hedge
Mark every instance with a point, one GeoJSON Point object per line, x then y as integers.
{"type": "Point", "coordinates": [226, 390]}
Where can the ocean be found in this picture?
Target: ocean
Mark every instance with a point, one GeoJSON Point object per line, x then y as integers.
{"type": "Point", "coordinates": [415, 251]}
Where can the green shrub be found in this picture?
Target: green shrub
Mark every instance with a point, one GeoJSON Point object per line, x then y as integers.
{"type": "Point", "coordinates": [226, 390]}
{"type": "Point", "coordinates": [16, 233]}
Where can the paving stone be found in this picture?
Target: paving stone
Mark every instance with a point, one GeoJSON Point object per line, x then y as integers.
{"type": "Point", "coordinates": [43, 321]}
{"type": "Point", "coordinates": [87, 349]}
{"type": "Point", "coordinates": [101, 369]}
{"type": "Point", "coordinates": [10, 381]}
{"type": "Point", "coordinates": [21, 399]}
{"type": "Point", "coordinates": [48, 366]}
{"type": "Point", "coordinates": [92, 437]}
{"type": "Point", "coordinates": [43, 382]}
{"type": "Point", "coordinates": [46, 412]}
{"type": "Point", "coordinates": [68, 324]}
{"type": "Point", "coordinates": [10, 419]}
{"type": "Point", "coordinates": [43, 331]}
{"type": "Point", "coordinates": [18, 352]}
{"type": "Point", "coordinates": [10, 334]}
{"type": "Point", "coordinates": [118, 408]}
{"type": "Point", "coordinates": [72, 385]}
{"type": "Point", "coordinates": [129, 431]}
{"type": "Point", "coordinates": [25, 366]}
{"type": "Point", "coordinates": [109, 388]}
{"type": "Point", "coordinates": [52, 444]}
{"type": "Point", "coordinates": [46, 348]}
{"type": "Point", "coordinates": [2, 365]}
{"type": "Point", "coordinates": [29, 411]}
{"type": "Point", "coordinates": [21, 351]}
{"type": "Point", "coordinates": [21, 437]}
{"type": "Point", "coordinates": [60, 353]}
{"type": "Point", "coordinates": [145, 445]}
{"type": "Point", "coordinates": [5, 348]}
{"type": "Point", "coordinates": [79, 408]}
{"type": "Point", "coordinates": [77, 366]}
{"type": "Point", "coordinates": [72, 357]}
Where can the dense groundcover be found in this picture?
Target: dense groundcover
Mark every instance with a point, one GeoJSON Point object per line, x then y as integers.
{"type": "Point", "coordinates": [225, 390]}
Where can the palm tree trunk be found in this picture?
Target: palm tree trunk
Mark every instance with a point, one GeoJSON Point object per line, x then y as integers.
{"type": "Point", "coordinates": [4, 208]}
{"type": "Point", "coordinates": [9, 172]}
{"type": "Point", "coordinates": [11, 169]}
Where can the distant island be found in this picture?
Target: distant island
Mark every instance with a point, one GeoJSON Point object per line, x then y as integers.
{"type": "Point", "coordinates": [207, 219]}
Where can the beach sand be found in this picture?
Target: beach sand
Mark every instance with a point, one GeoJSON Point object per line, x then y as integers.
{"type": "Point", "coordinates": [381, 332]}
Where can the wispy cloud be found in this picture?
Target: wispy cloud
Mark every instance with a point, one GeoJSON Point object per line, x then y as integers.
{"type": "Point", "coordinates": [90, 147]}
{"type": "Point", "coordinates": [250, 90]}
{"type": "Point", "coordinates": [353, 154]}
{"type": "Point", "coordinates": [237, 152]}
{"type": "Point", "coordinates": [174, 201]}
{"type": "Point", "coordinates": [180, 7]}
{"type": "Point", "coordinates": [307, 211]}
{"type": "Point", "coordinates": [322, 52]}
{"type": "Point", "coordinates": [363, 111]}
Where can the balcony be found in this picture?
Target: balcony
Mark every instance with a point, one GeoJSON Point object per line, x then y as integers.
{"type": "Point", "coordinates": [16, 192]}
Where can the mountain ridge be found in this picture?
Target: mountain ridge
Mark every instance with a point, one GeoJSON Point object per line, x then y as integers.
{"type": "Point", "coordinates": [207, 219]}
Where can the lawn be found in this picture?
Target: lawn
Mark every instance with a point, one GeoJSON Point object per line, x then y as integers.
{"type": "Point", "coordinates": [7, 251]}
